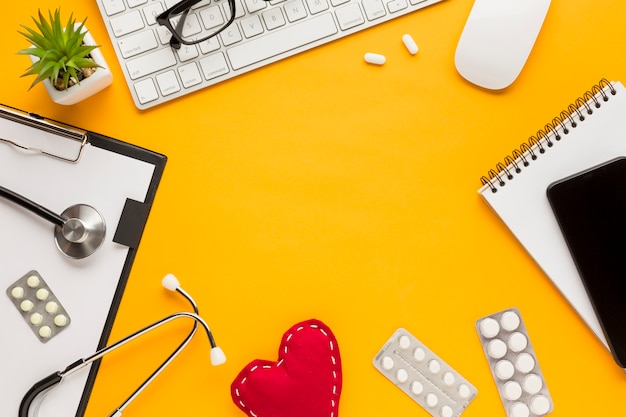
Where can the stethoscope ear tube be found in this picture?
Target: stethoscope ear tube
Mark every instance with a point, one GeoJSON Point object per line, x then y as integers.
{"type": "Point", "coordinates": [39, 387]}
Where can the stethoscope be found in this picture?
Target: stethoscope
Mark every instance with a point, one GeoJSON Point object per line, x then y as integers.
{"type": "Point", "coordinates": [171, 283]}
{"type": "Point", "coordinates": [79, 231]}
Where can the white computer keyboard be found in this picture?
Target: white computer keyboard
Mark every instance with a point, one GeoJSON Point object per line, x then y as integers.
{"type": "Point", "coordinates": [262, 33]}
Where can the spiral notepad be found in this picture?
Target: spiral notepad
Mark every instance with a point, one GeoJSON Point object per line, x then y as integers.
{"type": "Point", "coordinates": [590, 131]}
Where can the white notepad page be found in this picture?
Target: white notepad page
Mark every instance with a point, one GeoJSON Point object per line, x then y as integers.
{"type": "Point", "coordinates": [523, 205]}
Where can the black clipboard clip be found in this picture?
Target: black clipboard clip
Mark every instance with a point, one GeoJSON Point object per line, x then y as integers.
{"type": "Point", "coordinates": [79, 136]}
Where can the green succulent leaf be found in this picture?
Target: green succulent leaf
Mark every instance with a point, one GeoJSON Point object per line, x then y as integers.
{"type": "Point", "coordinates": [59, 48]}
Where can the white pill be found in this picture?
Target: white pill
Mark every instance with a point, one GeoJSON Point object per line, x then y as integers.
{"type": "Point", "coordinates": [519, 410]}
{"type": "Point", "coordinates": [517, 342]}
{"type": "Point", "coordinates": [533, 384]}
{"type": "Point", "coordinates": [434, 367]}
{"type": "Point", "coordinates": [489, 327]}
{"type": "Point", "coordinates": [404, 342]}
{"type": "Point", "coordinates": [510, 321]}
{"type": "Point", "coordinates": [51, 307]}
{"type": "Point", "coordinates": [33, 281]}
{"type": "Point", "coordinates": [448, 378]}
{"type": "Point", "coordinates": [42, 294]}
{"type": "Point", "coordinates": [402, 375]}
{"type": "Point", "coordinates": [446, 411]}
{"type": "Point", "coordinates": [432, 400]}
{"type": "Point", "coordinates": [17, 292]}
{"type": "Point", "coordinates": [376, 59]}
{"type": "Point", "coordinates": [464, 391]}
{"type": "Point", "coordinates": [26, 305]}
{"type": "Point", "coordinates": [524, 363]}
{"type": "Point", "coordinates": [36, 319]}
{"type": "Point", "coordinates": [419, 354]}
{"type": "Point", "coordinates": [387, 363]}
{"type": "Point", "coordinates": [45, 332]}
{"type": "Point", "coordinates": [60, 320]}
{"type": "Point", "coordinates": [512, 391]}
{"type": "Point", "coordinates": [410, 44]}
{"type": "Point", "coordinates": [504, 370]}
{"type": "Point", "coordinates": [540, 405]}
{"type": "Point", "coordinates": [417, 388]}
{"type": "Point", "coordinates": [496, 349]}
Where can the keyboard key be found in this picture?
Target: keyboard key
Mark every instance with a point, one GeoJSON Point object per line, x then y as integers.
{"type": "Point", "coordinates": [212, 17]}
{"type": "Point", "coordinates": [127, 23]}
{"type": "Point", "coordinates": [231, 35]}
{"type": "Point", "coordinates": [192, 26]}
{"type": "Point", "coordinates": [112, 7]}
{"type": "Point", "coordinates": [397, 5]}
{"type": "Point", "coordinates": [255, 5]}
{"type": "Point", "coordinates": [168, 83]}
{"type": "Point", "coordinates": [135, 3]}
{"type": "Point", "coordinates": [138, 43]}
{"type": "Point", "coordinates": [210, 45]}
{"type": "Point", "coordinates": [202, 4]}
{"type": "Point", "coordinates": [146, 91]}
{"type": "Point", "coordinates": [252, 26]}
{"type": "Point", "coordinates": [187, 52]}
{"type": "Point", "coordinates": [214, 66]}
{"type": "Point", "coordinates": [190, 75]}
{"type": "Point", "coordinates": [317, 6]}
{"type": "Point", "coordinates": [295, 10]}
{"type": "Point", "coordinates": [281, 41]}
{"type": "Point", "coordinates": [151, 63]}
{"type": "Point", "coordinates": [152, 11]}
{"type": "Point", "coordinates": [349, 16]}
{"type": "Point", "coordinates": [239, 10]}
{"type": "Point", "coordinates": [374, 9]}
{"type": "Point", "coordinates": [273, 18]}
{"type": "Point", "coordinates": [164, 34]}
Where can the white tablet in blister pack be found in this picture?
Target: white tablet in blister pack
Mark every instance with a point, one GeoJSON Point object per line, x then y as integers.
{"type": "Point", "coordinates": [514, 365]}
{"type": "Point", "coordinates": [423, 376]}
{"type": "Point", "coordinates": [38, 305]}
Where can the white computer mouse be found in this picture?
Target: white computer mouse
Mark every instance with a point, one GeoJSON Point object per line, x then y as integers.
{"type": "Point", "coordinates": [497, 39]}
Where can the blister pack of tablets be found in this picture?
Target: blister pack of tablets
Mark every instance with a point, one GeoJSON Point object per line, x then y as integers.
{"type": "Point", "coordinates": [38, 305]}
{"type": "Point", "coordinates": [423, 376]}
{"type": "Point", "coordinates": [514, 365]}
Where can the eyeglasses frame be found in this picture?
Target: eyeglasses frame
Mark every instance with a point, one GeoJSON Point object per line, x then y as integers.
{"type": "Point", "coordinates": [182, 8]}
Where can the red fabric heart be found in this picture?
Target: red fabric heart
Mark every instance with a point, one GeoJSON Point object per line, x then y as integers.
{"type": "Point", "coordinates": [304, 382]}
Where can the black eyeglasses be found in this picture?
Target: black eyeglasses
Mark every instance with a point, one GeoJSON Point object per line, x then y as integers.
{"type": "Point", "coordinates": [189, 27]}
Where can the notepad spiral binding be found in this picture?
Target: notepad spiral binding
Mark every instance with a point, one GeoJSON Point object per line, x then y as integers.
{"type": "Point", "coordinates": [536, 145]}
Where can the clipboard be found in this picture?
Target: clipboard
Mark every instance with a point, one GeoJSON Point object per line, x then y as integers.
{"type": "Point", "coordinates": [57, 165]}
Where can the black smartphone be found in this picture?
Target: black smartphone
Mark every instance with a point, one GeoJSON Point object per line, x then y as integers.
{"type": "Point", "coordinates": [590, 208]}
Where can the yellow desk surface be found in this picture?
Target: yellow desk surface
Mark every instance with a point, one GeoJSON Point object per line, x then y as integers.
{"type": "Point", "coordinates": [324, 187]}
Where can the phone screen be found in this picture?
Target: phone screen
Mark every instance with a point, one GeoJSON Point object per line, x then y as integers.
{"type": "Point", "coordinates": [590, 208]}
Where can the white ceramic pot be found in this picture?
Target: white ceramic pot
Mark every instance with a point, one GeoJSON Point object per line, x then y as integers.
{"type": "Point", "coordinates": [99, 80]}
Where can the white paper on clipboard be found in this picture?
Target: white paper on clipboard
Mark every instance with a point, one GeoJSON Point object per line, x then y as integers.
{"type": "Point", "coordinates": [106, 176]}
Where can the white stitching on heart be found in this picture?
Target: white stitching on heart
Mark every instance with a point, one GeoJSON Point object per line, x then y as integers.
{"type": "Point", "coordinates": [333, 359]}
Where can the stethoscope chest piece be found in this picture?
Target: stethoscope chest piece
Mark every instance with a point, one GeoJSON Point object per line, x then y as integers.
{"type": "Point", "coordinates": [82, 233]}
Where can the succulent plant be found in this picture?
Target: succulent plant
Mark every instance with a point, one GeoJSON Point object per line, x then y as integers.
{"type": "Point", "coordinates": [60, 52]}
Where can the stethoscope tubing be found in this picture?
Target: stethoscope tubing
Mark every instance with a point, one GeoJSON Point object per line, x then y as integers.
{"type": "Point", "coordinates": [118, 411]}
{"type": "Point", "coordinates": [38, 209]}
{"type": "Point", "coordinates": [54, 379]}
